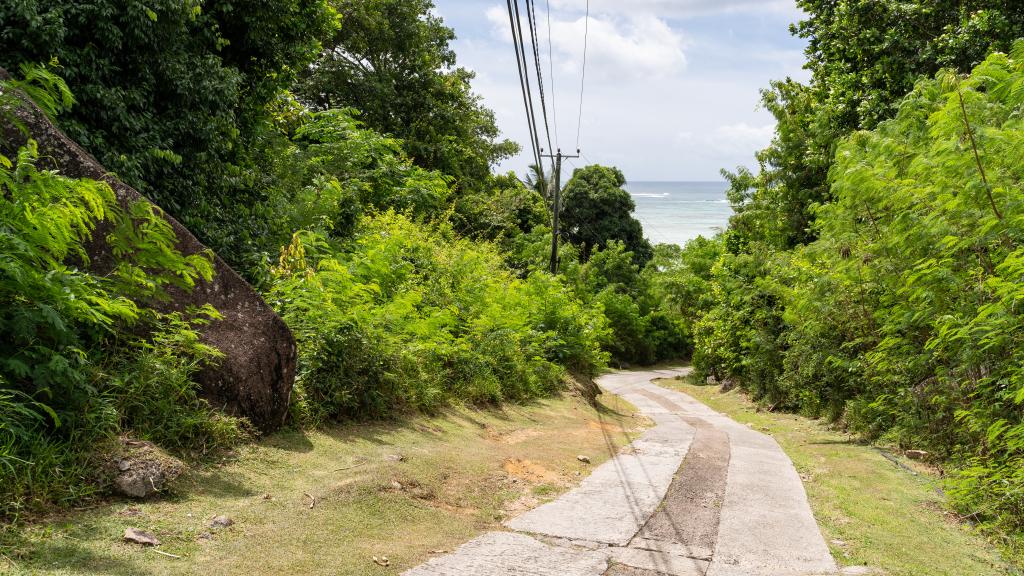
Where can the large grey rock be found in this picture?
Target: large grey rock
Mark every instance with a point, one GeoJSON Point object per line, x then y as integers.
{"type": "Point", "coordinates": [255, 377]}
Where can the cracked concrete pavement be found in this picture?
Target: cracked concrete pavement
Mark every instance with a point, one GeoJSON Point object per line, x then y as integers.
{"type": "Point", "coordinates": [697, 495]}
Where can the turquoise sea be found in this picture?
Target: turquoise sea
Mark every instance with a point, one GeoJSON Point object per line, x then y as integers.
{"type": "Point", "coordinates": [675, 212]}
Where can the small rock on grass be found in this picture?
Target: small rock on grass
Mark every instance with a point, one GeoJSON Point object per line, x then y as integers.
{"type": "Point", "coordinates": [583, 459]}
{"type": "Point", "coordinates": [221, 522]}
{"type": "Point", "coordinates": [142, 470]}
{"type": "Point", "coordinates": [136, 536]}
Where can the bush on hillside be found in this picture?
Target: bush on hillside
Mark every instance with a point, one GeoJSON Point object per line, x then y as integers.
{"type": "Point", "coordinates": [74, 370]}
{"type": "Point", "coordinates": [409, 315]}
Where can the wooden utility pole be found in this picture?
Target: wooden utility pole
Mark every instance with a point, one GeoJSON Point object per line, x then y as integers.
{"type": "Point", "coordinates": [556, 200]}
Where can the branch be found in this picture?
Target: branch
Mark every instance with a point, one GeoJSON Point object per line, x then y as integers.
{"type": "Point", "coordinates": [977, 158]}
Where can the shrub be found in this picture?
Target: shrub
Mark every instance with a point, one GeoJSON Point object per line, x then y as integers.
{"type": "Point", "coordinates": [904, 316]}
{"type": "Point", "coordinates": [409, 315]}
{"type": "Point", "coordinates": [74, 370]}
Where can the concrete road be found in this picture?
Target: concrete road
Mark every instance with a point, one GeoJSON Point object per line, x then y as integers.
{"type": "Point", "coordinates": [697, 495]}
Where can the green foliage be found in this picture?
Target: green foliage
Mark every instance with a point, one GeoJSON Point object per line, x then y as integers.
{"type": "Point", "coordinates": [172, 95]}
{"type": "Point", "coordinates": [737, 339]}
{"type": "Point", "coordinates": [74, 370]}
{"type": "Point", "coordinates": [392, 60]}
{"type": "Point", "coordinates": [864, 296]}
{"type": "Point", "coordinates": [903, 317]}
{"type": "Point", "coordinates": [416, 276]}
{"type": "Point", "coordinates": [411, 316]}
{"type": "Point", "coordinates": [596, 210]}
{"type": "Point", "coordinates": [42, 86]}
{"type": "Point", "coordinates": [644, 327]}
{"type": "Point", "coordinates": [864, 56]}
{"type": "Point", "coordinates": [505, 209]}
{"type": "Point", "coordinates": [152, 390]}
{"type": "Point", "coordinates": [345, 170]}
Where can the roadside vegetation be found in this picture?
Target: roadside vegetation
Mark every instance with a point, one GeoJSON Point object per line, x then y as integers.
{"type": "Point", "coordinates": [334, 153]}
{"type": "Point", "coordinates": [329, 501]}
{"type": "Point", "coordinates": [872, 273]}
{"type": "Point", "coordinates": [361, 201]}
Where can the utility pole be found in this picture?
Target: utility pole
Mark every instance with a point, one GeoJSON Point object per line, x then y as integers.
{"type": "Point", "coordinates": [556, 204]}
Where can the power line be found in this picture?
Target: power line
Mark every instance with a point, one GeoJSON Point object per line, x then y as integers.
{"type": "Point", "coordinates": [551, 69]}
{"type": "Point", "coordinates": [524, 80]}
{"type": "Point", "coordinates": [531, 16]}
{"type": "Point", "coordinates": [583, 76]}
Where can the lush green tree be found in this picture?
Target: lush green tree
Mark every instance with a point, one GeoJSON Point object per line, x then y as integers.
{"type": "Point", "coordinates": [775, 205]}
{"type": "Point", "coordinates": [596, 210]}
{"type": "Point", "coordinates": [502, 210]}
{"type": "Point", "coordinates": [344, 170]}
{"type": "Point", "coordinates": [172, 94]}
{"type": "Point", "coordinates": [864, 56]}
{"type": "Point", "coordinates": [392, 60]}
{"type": "Point", "coordinates": [644, 329]}
{"type": "Point", "coordinates": [680, 277]}
{"type": "Point", "coordinates": [903, 316]}
{"type": "Point", "coordinates": [536, 181]}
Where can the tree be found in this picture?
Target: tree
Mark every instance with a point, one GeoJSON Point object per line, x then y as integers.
{"type": "Point", "coordinates": [392, 60]}
{"type": "Point", "coordinates": [596, 209]}
{"type": "Point", "coordinates": [541, 183]}
{"type": "Point", "coordinates": [172, 94]}
{"type": "Point", "coordinates": [864, 55]}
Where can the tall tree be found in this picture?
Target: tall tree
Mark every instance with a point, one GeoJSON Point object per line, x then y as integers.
{"type": "Point", "coordinates": [172, 93]}
{"type": "Point", "coordinates": [864, 56]}
{"type": "Point", "coordinates": [596, 210]}
{"type": "Point", "coordinates": [392, 60]}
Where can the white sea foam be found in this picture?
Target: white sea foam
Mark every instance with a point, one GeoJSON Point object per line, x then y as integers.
{"type": "Point", "coordinates": [675, 212]}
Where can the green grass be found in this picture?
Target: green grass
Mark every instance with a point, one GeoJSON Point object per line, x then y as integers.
{"type": "Point", "coordinates": [872, 512]}
{"type": "Point", "coordinates": [463, 472]}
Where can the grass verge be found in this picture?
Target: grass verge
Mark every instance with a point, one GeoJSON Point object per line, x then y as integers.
{"type": "Point", "coordinates": [871, 511]}
{"type": "Point", "coordinates": [327, 502]}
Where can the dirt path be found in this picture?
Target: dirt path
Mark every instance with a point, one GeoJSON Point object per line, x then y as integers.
{"type": "Point", "coordinates": [697, 495]}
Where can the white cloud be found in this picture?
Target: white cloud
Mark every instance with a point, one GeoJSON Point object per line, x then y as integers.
{"type": "Point", "coordinates": [679, 8]}
{"type": "Point", "coordinates": [498, 17]}
{"type": "Point", "coordinates": [739, 139]}
{"type": "Point", "coordinates": [666, 98]}
{"type": "Point", "coordinates": [640, 46]}
{"type": "Point", "coordinates": [617, 48]}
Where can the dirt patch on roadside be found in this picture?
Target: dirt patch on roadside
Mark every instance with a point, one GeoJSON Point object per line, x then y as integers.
{"type": "Point", "coordinates": [532, 472]}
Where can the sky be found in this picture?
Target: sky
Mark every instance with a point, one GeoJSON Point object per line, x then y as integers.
{"type": "Point", "coordinates": [672, 87]}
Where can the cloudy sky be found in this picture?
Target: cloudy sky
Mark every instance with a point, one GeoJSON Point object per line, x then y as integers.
{"type": "Point", "coordinates": [672, 86]}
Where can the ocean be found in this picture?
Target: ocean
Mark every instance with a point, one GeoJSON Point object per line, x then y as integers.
{"type": "Point", "coordinates": [676, 212]}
